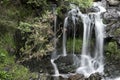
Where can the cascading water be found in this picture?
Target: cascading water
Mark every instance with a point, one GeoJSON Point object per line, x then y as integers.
{"type": "Point", "coordinates": [64, 36]}
{"type": "Point", "coordinates": [91, 64]}
{"type": "Point", "coordinates": [54, 55]}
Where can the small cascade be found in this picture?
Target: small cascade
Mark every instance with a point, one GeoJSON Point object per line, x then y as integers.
{"type": "Point", "coordinates": [54, 54]}
{"type": "Point", "coordinates": [64, 36]}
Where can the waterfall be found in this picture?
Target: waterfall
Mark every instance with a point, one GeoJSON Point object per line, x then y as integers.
{"type": "Point", "coordinates": [64, 36]}
{"type": "Point", "coordinates": [54, 54]}
{"type": "Point", "coordinates": [91, 64]}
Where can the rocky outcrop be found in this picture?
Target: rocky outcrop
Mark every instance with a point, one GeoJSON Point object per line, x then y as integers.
{"type": "Point", "coordinates": [111, 19]}
{"type": "Point", "coordinates": [112, 14]}
{"type": "Point", "coordinates": [94, 76]}
{"type": "Point", "coordinates": [113, 2]}
{"type": "Point", "coordinates": [66, 64]}
{"type": "Point", "coordinates": [77, 77]}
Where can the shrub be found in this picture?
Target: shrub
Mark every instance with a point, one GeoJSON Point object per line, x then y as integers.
{"type": "Point", "coordinates": [82, 3]}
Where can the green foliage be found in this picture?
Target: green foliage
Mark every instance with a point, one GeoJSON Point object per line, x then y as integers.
{"type": "Point", "coordinates": [5, 75]}
{"type": "Point", "coordinates": [82, 3]}
{"type": "Point", "coordinates": [2, 55]}
{"type": "Point", "coordinates": [36, 42]}
{"type": "Point", "coordinates": [78, 45]}
{"type": "Point", "coordinates": [14, 71]}
{"type": "Point", "coordinates": [37, 2]}
{"type": "Point", "coordinates": [42, 4]}
{"type": "Point", "coordinates": [21, 73]}
{"type": "Point", "coordinates": [5, 2]}
{"type": "Point", "coordinates": [24, 27]}
{"type": "Point", "coordinates": [7, 41]}
{"type": "Point", "coordinates": [60, 9]}
{"type": "Point", "coordinates": [112, 48]}
{"type": "Point", "coordinates": [117, 32]}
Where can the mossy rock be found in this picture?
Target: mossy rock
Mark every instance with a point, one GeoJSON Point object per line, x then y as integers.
{"type": "Point", "coordinates": [112, 49]}
{"type": "Point", "coordinates": [117, 32]}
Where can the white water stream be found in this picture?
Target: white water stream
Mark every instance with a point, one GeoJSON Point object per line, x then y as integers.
{"type": "Point", "coordinates": [54, 54]}
{"type": "Point", "coordinates": [92, 64]}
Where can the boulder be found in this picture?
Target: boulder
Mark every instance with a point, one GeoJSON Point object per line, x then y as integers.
{"type": "Point", "coordinates": [113, 2]}
{"type": "Point", "coordinates": [111, 14]}
{"type": "Point", "coordinates": [95, 76]}
{"type": "Point", "coordinates": [113, 31]}
{"type": "Point", "coordinates": [77, 77]}
{"type": "Point", "coordinates": [65, 64]}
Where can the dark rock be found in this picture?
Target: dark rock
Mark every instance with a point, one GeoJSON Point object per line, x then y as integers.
{"type": "Point", "coordinates": [65, 64]}
{"type": "Point", "coordinates": [95, 76]}
{"type": "Point", "coordinates": [66, 59]}
{"type": "Point", "coordinates": [94, 9]}
{"type": "Point", "coordinates": [112, 66]}
{"type": "Point", "coordinates": [77, 77]}
{"type": "Point", "coordinates": [113, 31]}
{"type": "Point", "coordinates": [43, 65]}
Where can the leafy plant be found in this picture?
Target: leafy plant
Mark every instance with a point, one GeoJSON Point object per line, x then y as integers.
{"type": "Point", "coordinates": [2, 56]}
{"type": "Point", "coordinates": [82, 3]}
{"type": "Point", "coordinates": [5, 75]}
{"type": "Point", "coordinates": [36, 42]}
{"type": "Point", "coordinates": [24, 27]}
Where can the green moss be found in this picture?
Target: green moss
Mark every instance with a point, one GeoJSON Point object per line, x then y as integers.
{"type": "Point", "coordinates": [112, 48]}
{"type": "Point", "coordinates": [78, 45]}
{"type": "Point", "coordinates": [117, 32]}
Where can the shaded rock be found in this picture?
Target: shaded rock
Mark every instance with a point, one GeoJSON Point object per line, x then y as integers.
{"type": "Point", "coordinates": [113, 31]}
{"type": "Point", "coordinates": [39, 65]}
{"type": "Point", "coordinates": [94, 9]}
{"type": "Point", "coordinates": [77, 77]}
{"type": "Point", "coordinates": [65, 64]}
{"type": "Point", "coordinates": [113, 2]}
{"type": "Point", "coordinates": [112, 66]}
{"type": "Point", "coordinates": [95, 76]}
{"type": "Point", "coordinates": [111, 14]}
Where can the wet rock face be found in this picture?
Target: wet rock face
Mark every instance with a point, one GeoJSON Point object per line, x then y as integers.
{"type": "Point", "coordinates": [112, 20]}
{"type": "Point", "coordinates": [113, 31]}
{"type": "Point", "coordinates": [94, 76]}
{"type": "Point", "coordinates": [112, 67]}
{"type": "Point", "coordinates": [42, 66]}
{"type": "Point", "coordinates": [65, 64]}
{"type": "Point", "coordinates": [77, 77]}
{"type": "Point", "coordinates": [113, 2]}
{"type": "Point", "coordinates": [111, 14]}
